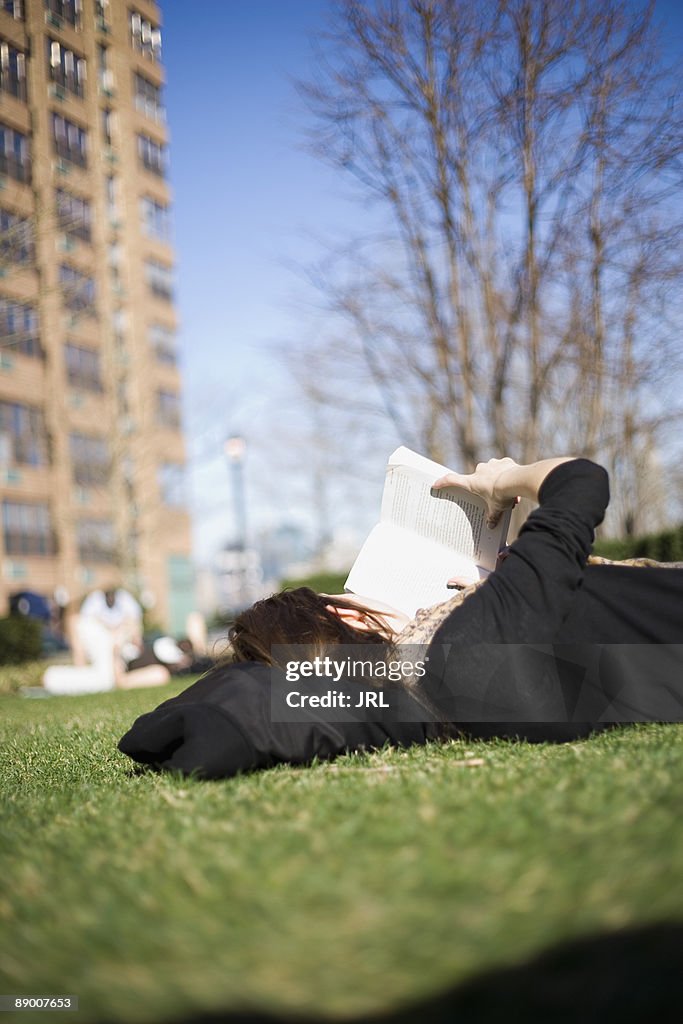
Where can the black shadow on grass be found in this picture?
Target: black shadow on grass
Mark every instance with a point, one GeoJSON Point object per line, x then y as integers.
{"type": "Point", "coordinates": [632, 976]}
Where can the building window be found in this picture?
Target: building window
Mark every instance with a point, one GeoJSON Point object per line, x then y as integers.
{"type": "Point", "coordinates": [12, 71]}
{"type": "Point", "coordinates": [14, 8]}
{"type": "Point", "coordinates": [114, 255]}
{"type": "Point", "coordinates": [102, 15]}
{"type": "Point", "coordinates": [90, 460]}
{"type": "Point", "coordinates": [168, 409]}
{"type": "Point", "coordinates": [156, 219]}
{"type": "Point", "coordinates": [105, 75]}
{"type": "Point", "coordinates": [111, 194]}
{"type": "Point", "coordinates": [24, 426]}
{"type": "Point", "coordinates": [14, 158]}
{"type": "Point", "coordinates": [122, 398]}
{"type": "Point", "coordinates": [144, 36]}
{"type": "Point", "coordinates": [173, 484]}
{"type": "Point", "coordinates": [16, 240]}
{"type": "Point", "coordinates": [83, 369]}
{"type": "Point", "coordinates": [65, 68]}
{"type": "Point", "coordinates": [108, 126]}
{"type": "Point", "coordinates": [152, 155]}
{"type": "Point", "coordinates": [119, 323]}
{"type": "Point", "coordinates": [96, 540]}
{"type": "Point", "coordinates": [27, 528]}
{"type": "Point", "coordinates": [73, 214]}
{"type": "Point", "coordinates": [148, 98]}
{"type": "Point", "coordinates": [19, 328]}
{"type": "Point", "coordinates": [163, 343]}
{"type": "Point", "coordinates": [78, 289]}
{"type": "Point", "coordinates": [67, 10]}
{"type": "Point", "coordinates": [70, 141]}
{"type": "Point", "coordinates": [159, 279]}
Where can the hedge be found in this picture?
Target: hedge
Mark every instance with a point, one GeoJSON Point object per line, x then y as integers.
{"type": "Point", "coordinates": [20, 640]}
{"type": "Point", "coordinates": [663, 547]}
{"type": "Point", "coordinates": [322, 582]}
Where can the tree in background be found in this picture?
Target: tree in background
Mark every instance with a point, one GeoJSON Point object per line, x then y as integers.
{"type": "Point", "coordinates": [525, 160]}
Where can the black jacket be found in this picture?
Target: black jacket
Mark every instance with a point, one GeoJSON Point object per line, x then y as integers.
{"type": "Point", "coordinates": [549, 639]}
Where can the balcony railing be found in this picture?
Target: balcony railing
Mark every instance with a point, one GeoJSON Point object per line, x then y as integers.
{"type": "Point", "coordinates": [70, 153]}
{"type": "Point", "coordinates": [96, 553]}
{"type": "Point", "coordinates": [68, 81]}
{"type": "Point", "coordinates": [84, 381]}
{"type": "Point", "coordinates": [91, 474]}
{"type": "Point", "coordinates": [20, 170]}
{"type": "Point", "coordinates": [13, 86]}
{"type": "Point", "coordinates": [18, 543]}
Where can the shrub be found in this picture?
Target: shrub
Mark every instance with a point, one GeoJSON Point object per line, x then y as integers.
{"type": "Point", "coordinates": [663, 547]}
{"type": "Point", "coordinates": [322, 582]}
{"type": "Point", "coordinates": [29, 673]}
{"type": "Point", "coordinates": [20, 640]}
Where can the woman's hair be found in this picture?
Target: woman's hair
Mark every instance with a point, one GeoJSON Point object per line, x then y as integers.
{"type": "Point", "coordinates": [300, 617]}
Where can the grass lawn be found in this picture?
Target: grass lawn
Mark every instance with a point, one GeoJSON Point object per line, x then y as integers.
{"type": "Point", "coordinates": [341, 889]}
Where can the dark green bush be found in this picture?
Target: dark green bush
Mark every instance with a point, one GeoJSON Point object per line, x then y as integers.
{"type": "Point", "coordinates": [20, 640]}
{"type": "Point", "coordinates": [322, 582]}
{"type": "Point", "coordinates": [663, 547]}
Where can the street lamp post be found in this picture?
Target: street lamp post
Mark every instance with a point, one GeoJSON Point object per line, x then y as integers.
{"type": "Point", "coordinates": [235, 449]}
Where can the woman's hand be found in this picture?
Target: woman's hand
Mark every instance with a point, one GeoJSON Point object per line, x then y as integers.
{"type": "Point", "coordinates": [487, 482]}
{"type": "Point", "coordinates": [501, 481]}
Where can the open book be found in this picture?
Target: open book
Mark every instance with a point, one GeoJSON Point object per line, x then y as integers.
{"type": "Point", "coordinates": [423, 538]}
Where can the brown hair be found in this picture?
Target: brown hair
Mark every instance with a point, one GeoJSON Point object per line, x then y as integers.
{"type": "Point", "coordinates": [300, 617]}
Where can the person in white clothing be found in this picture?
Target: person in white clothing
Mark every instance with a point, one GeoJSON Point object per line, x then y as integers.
{"type": "Point", "coordinates": [117, 610]}
{"type": "Point", "coordinates": [108, 626]}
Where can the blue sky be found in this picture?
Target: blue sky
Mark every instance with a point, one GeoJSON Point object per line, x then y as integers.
{"type": "Point", "coordinates": [243, 189]}
{"type": "Point", "coordinates": [248, 201]}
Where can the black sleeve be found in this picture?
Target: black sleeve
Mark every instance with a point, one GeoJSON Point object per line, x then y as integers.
{"type": "Point", "coordinates": [529, 595]}
{"type": "Point", "coordinates": [474, 676]}
{"type": "Point", "coordinates": [224, 724]}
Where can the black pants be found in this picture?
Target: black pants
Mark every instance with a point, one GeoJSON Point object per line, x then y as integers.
{"type": "Point", "coordinates": [554, 692]}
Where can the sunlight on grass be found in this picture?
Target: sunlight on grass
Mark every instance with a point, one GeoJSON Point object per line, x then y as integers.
{"type": "Point", "coordinates": [346, 887]}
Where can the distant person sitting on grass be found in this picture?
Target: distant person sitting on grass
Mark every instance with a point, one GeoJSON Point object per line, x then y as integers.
{"type": "Point", "coordinates": [548, 647]}
{"type": "Point", "coordinates": [116, 610]}
{"type": "Point", "coordinates": [107, 626]}
{"type": "Point", "coordinates": [109, 653]}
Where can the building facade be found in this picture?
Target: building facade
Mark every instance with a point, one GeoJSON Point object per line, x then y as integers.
{"type": "Point", "coordinates": [91, 446]}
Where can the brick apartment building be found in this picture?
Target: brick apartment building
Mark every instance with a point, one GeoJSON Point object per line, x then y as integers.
{"type": "Point", "coordinates": [91, 447]}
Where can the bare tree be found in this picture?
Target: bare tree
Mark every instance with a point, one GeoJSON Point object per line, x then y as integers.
{"type": "Point", "coordinates": [527, 156]}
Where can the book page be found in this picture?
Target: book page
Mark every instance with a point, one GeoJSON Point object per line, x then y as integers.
{"type": "Point", "coordinates": [405, 570]}
{"type": "Point", "coordinates": [518, 517]}
{"type": "Point", "coordinates": [424, 537]}
{"type": "Point", "coordinates": [451, 517]}
{"type": "Point", "coordinates": [407, 457]}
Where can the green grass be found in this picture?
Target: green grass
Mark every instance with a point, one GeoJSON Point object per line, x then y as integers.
{"type": "Point", "coordinates": [339, 889]}
{"type": "Point", "coordinates": [12, 677]}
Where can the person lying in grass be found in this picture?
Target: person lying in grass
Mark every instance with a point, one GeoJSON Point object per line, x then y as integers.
{"type": "Point", "coordinates": [548, 647]}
